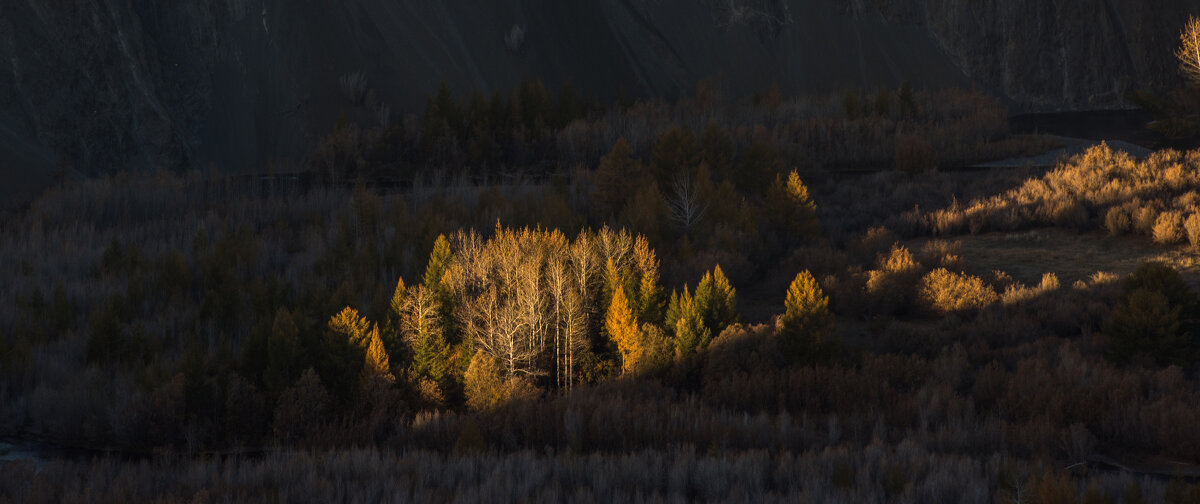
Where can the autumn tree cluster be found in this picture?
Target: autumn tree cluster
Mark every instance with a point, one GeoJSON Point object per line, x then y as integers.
{"type": "Point", "coordinates": [524, 310]}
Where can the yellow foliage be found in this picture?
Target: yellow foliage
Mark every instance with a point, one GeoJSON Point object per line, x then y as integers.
{"type": "Point", "coordinates": [398, 298]}
{"type": "Point", "coordinates": [349, 324]}
{"type": "Point", "coordinates": [623, 329]}
{"type": "Point", "coordinates": [951, 292]}
{"type": "Point", "coordinates": [377, 363]}
{"type": "Point", "coordinates": [1189, 50]}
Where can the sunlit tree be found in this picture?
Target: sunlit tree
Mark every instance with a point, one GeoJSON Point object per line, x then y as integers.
{"type": "Point", "coordinates": [622, 327]}
{"type": "Point", "coordinates": [716, 301]}
{"type": "Point", "coordinates": [1189, 50]}
{"type": "Point", "coordinates": [686, 319]}
{"type": "Point", "coordinates": [806, 321]}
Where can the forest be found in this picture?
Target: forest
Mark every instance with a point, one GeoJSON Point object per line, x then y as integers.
{"type": "Point", "coordinates": [534, 296]}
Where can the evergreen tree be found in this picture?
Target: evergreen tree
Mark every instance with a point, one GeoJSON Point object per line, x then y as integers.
{"type": "Point", "coordinates": [716, 300]}
{"type": "Point", "coordinates": [791, 208]}
{"type": "Point", "coordinates": [650, 295]}
{"type": "Point", "coordinates": [423, 331]}
{"type": "Point", "coordinates": [806, 320]}
{"type": "Point", "coordinates": [1156, 316]}
{"type": "Point", "coordinates": [440, 260]}
{"type": "Point", "coordinates": [376, 363]}
{"type": "Point", "coordinates": [691, 334]}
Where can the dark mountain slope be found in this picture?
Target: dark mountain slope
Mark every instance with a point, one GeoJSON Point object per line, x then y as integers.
{"type": "Point", "coordinates": [105, 85]}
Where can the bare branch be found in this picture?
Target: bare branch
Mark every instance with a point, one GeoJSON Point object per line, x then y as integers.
{"type": "Point", "coordinates": [684, 203]}
{"type": "Point", "coordinates": [1189, 50]}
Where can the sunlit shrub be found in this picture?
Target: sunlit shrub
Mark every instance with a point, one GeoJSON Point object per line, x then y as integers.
{"type": "Point", "coordinates": [947, 292]}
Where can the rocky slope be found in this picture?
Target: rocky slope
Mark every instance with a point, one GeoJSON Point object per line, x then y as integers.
{"type": "Point", "coordinates": [103, 85]}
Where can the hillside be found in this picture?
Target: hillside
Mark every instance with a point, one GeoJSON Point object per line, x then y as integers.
{"type": "Point", "coordinates": [104, 85]}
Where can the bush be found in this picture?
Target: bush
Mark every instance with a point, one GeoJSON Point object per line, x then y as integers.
{"type": "Point", "coordinates": [1117, 221]}
{"type": "Point", "coordinates": [947, 292]}
{"type": "Point", "coordinates": [1192, 227]}
{"type": "Point", "coordinates": [1168, 228]}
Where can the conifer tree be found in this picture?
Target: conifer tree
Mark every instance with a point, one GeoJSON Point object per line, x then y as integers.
{"type": "Point", "coordinates": [440, 260]}
{"type": "Point", "coordinates": [349, 324]}
{"type": "Point", "coordinates": [376, 363]}
{"type": "Point", "coordinates": [691, 334]}
{"type": "Point", "coordinates": [716, 301]}
{"type": "Point", "coordinates": [806, 320]}
{"type": "Point", "coordinates": [423, 332]}
{"type": "Point", "coordinates": [791, 207]}
{"type": "Point", "coordinates": [622, 327]}
{"type": "Point", "coordinates": [650, 295]}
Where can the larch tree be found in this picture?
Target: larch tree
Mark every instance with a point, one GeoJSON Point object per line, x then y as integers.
{"type": "Point", "coordinates": [1189, 50]}
{"type": "Point", "coordinates": [622, 327]}
{"type": "Point", "coordinates": [349, 324]}
{"type": "Point", "coordinates": [376, 364]}
{"type": "Point", "coordinates": [806, 320]}
{"type": "Point", "coordinates": [792, 208]}
{"type": "Point", "coordinates": [691, 334]}
{"type": "Point", "coordinates": [716, 301]}
{"type": "Point", "coordinates": [649, 292]}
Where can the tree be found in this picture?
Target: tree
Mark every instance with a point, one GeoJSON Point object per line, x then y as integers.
{"type": "Point", "coordinates": [622, 327]}
{"type": "Point", "coordinates": [283, 353]}
{"type": "Point", "coordinates": [614, 179]}
{"type": "Point", "coordinates": [792, 209]}
{"type": "Point", "coordinates": [422, 331]}
{"type": "Point", "coordinates": [376, 363]}
{"type": "Point", "coordinates": [363, 338]}
{"type": "Point", "coordinates": [806, 320]}
{"type": "Point", "coordinates": [674, 155]}
{"type": "Point", "coordinates": [349, 324]}
{"type": "Point", "coordinates": [691, 333]}
{"type": "Point", "coordinates": [1189, 50]}
{"type": "Point", "coordinates": [685, 204]}
{"type": "Point", "coordinates": [440, 260]}
{"type": "Point", "coordinates": [1155, 317]}
{"type": "Point", "coordinates": [716, 301]}
{"type": "Point", "coordinates": [484, 387]}
{"type": "Point", "coordinates": [649, 292]}
{"type": "Point", "coordinates": [301, 407]}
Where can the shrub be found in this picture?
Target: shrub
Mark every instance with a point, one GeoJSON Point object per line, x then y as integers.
{"type": "Point", "coordinates": [1117, 221]}
{"type": "Point", "coordinates": [890, 285]}
{"type": "Point", "coordinates": [947, 292]}
{"type": "Point", "coordinates": [1192, 227]}
{"type": "Point", "coordinates": [1168, 228]}
{"type": "Point", "coordinates": [914, 154]}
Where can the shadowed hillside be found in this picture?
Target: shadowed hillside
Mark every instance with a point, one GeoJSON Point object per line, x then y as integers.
{"type": "Point", "coordinates": [104, 85]}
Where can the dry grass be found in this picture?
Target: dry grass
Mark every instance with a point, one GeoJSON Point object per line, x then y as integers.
{"type": "Point", "coordinates": [1028, 255]}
